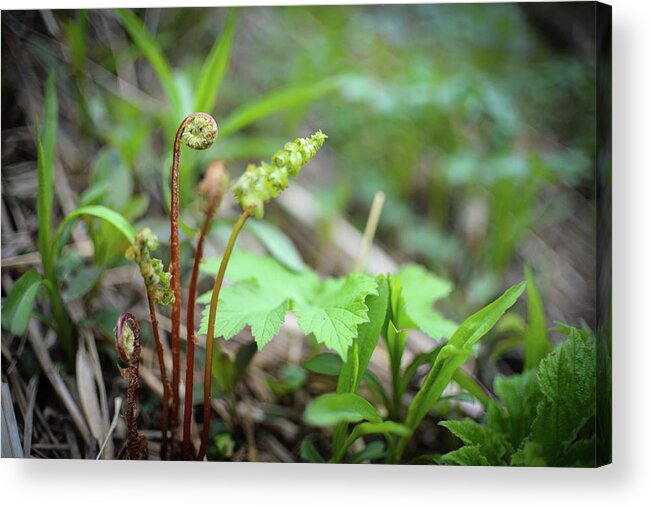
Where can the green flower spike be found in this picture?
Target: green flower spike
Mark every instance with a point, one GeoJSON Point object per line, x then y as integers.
{"type": "Point", "coordinates": [157, 280]}
{"type": "Point", "coordinates": [259, 184]}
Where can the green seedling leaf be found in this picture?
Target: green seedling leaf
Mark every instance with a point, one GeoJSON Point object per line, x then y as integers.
{"type": "Point", "coordinates": [476, 326]}
{"type": "Point", "coordinates": [260, 299]}
{"type": "Point", "coordinates": [214, 68]}
{"type": "Point", "coordinates": [273, 103]}
{"type": "Point", "coordinates": [324, 364]}
{"type": "Point", "coordinates": [17, 307]}
{"type": "Point", "coordinates": [152, 51]}
{"type": "Point", "coordinates": [455, 353]}
{"type": "Point", "coordinates": [446, 363]}
{"type": "Point", "coordinates": [277, 244]}
{"type": "Point", "coordinates": [420, 290]}
{"type": "Point", "coordinates": [309, 452]}
{"type": "Point", "coordinates": [331, 409]}
{"type": "Point", "coordinates": [537, 344]}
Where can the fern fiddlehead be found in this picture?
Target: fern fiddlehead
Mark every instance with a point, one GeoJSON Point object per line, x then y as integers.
{"type": "Point", "coordinates": [197, 131]}
{"type": "Point", "coordinates": [127, 343]}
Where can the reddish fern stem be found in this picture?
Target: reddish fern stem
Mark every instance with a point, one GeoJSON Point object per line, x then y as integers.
{"type": "Point", "coordinates": [189, 369]}
{"type": "Point", "coordinates": [176, 273]}
{"type": "Point", "coordinates": [199, 141]}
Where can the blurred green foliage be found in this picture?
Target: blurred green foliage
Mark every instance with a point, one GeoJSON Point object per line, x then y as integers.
{"type": "Point", "coordinates": [461, 114]}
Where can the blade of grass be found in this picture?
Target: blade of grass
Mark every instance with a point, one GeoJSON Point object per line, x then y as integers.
{"type": "Point", "coordinates": [111, 216]}
{"type": "Point", "coordinates": [274, 102]}
{"type": "Point", "coordinates": [536, 341]}
{"type": "Point", "coordinates": [214, 68]}
{"type": "Point", "coordinates": [46, 147]}
{"type": "Point", "coordinates": [152, 51]}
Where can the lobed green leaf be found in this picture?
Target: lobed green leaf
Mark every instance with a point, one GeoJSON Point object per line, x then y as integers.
{"type": "Point", "coordinates": [334, 313]}
{"type": "Point", "coordinates": [420, 290]}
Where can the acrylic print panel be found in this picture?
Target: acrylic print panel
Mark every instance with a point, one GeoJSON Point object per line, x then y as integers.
{"type": "Point", "coordinates": [342, 234]}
